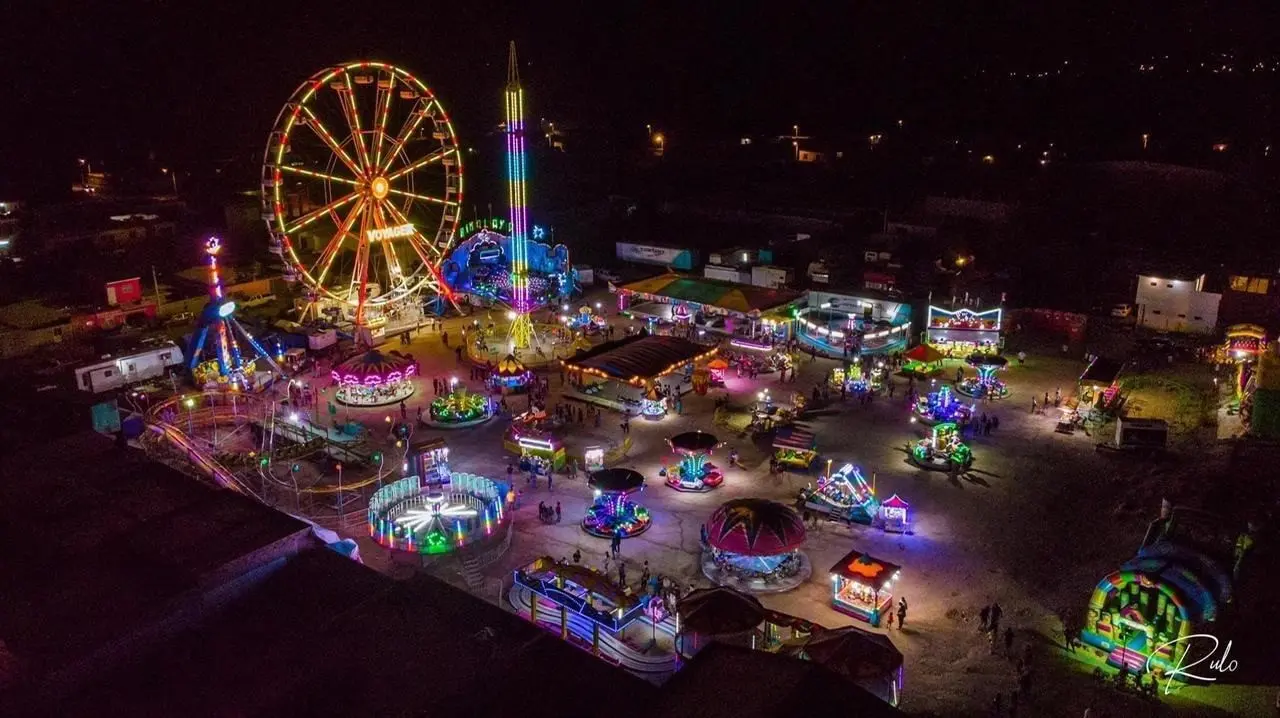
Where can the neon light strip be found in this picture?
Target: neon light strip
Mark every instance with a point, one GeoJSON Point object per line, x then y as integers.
{"type": "Point", "coordinates": [746, 344]}
{"type": "Point", "coordinates": [517, 198]}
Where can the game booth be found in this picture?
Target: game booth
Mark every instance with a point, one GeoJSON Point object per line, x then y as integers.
{"type": "Point", "coordinates": [613, 513]}
{"type": "Point", "coordinates": [961, 332]}
{"type": "Point", "coordinates": [895, 515]}
{"type": "Point", "coordinates": [374, 378]}
{"type": "Point", "coordinates": [480, 265]}
{"type": "Point", "coordinates": [860, 586]}
{"type": "Point", "coordinates": [717, 367]}
{"type": "Point", "coordinates": [753, 545]}
{"type": "Point", "coordinates": [844, 496]}
{"type": "Point", "coordinates": [796, 446]}
{"type": "Point", "coordinates": [942, 450]}
{"type": "Point", "coordinates": [941, 406]}
{"type": "Point", "coordinates": [849, 325]}
{"type": "Point", "coordinates": [985, 385]}
{"type": "Point", "coordinates": [744, 312]}
{"type": "Point", "coordinates": [534, 437]}
{"type": "Point", "coordinates": [694, 472]}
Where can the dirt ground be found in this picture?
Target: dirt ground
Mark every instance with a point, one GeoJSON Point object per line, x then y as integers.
{"type": "Point", "coordinates": [1039, 520]}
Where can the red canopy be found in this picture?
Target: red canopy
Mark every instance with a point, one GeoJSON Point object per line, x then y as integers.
{"type": "Point", "coordinates": [924, 353]}
{"type": "Point", "coordinates": [755, 527]}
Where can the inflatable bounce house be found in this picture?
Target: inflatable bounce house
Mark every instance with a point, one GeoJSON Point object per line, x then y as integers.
{"type": "Point", "coordinates": [1178, 585]}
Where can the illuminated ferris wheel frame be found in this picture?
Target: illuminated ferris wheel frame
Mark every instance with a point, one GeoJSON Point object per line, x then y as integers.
{"type": "Point", "coordinates": [379, 186]}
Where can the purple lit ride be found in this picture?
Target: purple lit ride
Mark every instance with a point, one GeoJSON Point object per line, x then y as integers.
{"type": "Point", "coordinates": [941, 406]}
{"type": "Point", "coordinates": [694, 472]}
{"type": "Point", "coordinates": [613, 513]}
{"type": "Point", "coordinates": [753, 545]}
{"type": "Point", "coordinates": [844, 495]}
{"type": "Point", "coordinates": [374, 378]}
{"type": "Point", "coordinates": [985, 385]}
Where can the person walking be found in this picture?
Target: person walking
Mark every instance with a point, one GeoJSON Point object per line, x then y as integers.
{"type": "Point", "coordinates": [607, 558]}
{"type": "Point", "coordinates": [1033, 405]}
{"type": "Point", "coordinates": [577, 556]}
{"type": "Point", "coordinates": [622, 574]}
{"type": "Point", "coordinates": [551, 478]}
{"type": "Point", "coordinates": [557, 512]}
{"type": "Point", "coordinates": [902, 612]}
{"type": "Point", "coordinates": [888, 621]}
{"type": "Point", "coordinates": [985, 615]}
{"type": "Point", "coordinates": [996, 612]}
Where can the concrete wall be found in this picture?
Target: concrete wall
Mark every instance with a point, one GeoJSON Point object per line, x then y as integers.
{"type": "Point", "coordinates": [1174, 305]}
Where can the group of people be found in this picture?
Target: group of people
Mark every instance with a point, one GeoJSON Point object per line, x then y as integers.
{"type": "Point", "coordinates": [1040, 408]}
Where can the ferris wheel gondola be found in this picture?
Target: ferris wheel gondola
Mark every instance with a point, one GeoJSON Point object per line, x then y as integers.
{"type": "Point", "coordinates": [361, 188]}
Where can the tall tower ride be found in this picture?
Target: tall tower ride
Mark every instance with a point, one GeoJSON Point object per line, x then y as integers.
{"type": "Point", "coordinates": [521, 325]}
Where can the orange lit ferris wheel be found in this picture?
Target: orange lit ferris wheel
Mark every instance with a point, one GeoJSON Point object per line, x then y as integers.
{"type": "Point", "coordinates": [362, 188]}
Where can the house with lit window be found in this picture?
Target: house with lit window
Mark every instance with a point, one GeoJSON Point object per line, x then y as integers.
{"type": "Point", "coordinates": [1176, 304]}
{"type": "Point", "coordinates": [1250, 298]}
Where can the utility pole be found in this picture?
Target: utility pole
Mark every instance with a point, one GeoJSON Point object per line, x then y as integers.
{"type": "Point", "coordinates": [156, 283]}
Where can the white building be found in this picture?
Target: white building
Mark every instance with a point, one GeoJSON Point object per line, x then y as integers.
{"type": "Point", "coordinates": [1176, 305]}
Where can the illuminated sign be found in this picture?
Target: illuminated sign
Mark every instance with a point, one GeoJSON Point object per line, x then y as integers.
{"type": "Point", "coordinates": [497, 224]}
{"type": "Point", "coordinates": [401, 230]}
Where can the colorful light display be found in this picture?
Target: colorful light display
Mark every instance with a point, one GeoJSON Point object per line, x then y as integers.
{"type": "Point", "coordinates": [962, 331]}
{"type": "Point", "coordinates": [753, 545]}
{"type": "Point", "coordinates": [218, 319]}
{"type": "Point", "coordinates": [845, 495]}
{"type": "Point", "coordinates": [694, 472]}
{"type": "Point", "coordinates": [460, 408]}
{"type": "Point", "coordinates": [521, 326]}
{"type": "Point", "coordinates": [942, 405]}
{"type": "Point", "coordinates": [424, 517]}
{"type": "Point", "coordinates": [614, 513]}
{"type": "Point", "coordinates": [374, 379]}
{"type": "Point", "coordinates": [860, 586]}
{"type": "Point", "coordinates": [392, 174]}
{"type": "Point", "coordinates": [942, 450]}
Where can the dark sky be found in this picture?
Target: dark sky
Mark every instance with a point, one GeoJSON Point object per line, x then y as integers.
{"type": "Point", "coordinates": [193, 81]}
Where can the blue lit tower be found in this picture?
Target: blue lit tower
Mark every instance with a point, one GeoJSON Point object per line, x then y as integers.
{"type": "Point", "coordinates": [521, 326]}
{"type": "Point", "coordinates": [217, 329]}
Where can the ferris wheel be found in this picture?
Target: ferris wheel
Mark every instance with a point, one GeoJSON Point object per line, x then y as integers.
{"type": "Point", "coordinates": [362, 187]}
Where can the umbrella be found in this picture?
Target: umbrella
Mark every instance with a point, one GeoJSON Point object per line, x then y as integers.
{"type": "Point", "coordinates": [718, 611]}
{"type": "Point", "coordinates": [924, 354]}
{"type": "Point", "coordinates": [853, 652]}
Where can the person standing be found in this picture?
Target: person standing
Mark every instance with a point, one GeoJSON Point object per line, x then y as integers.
{"type": "Point", "coordinates": [557, 512]}
{"type": "Point", "coordinates": [902, 612]}
{"type": "Point", "coordinates": [577, 556]}
{"type": "Point", "coordinates": [985, 615]}
{"type": "Point", "coordinates": [996, 612]}
{"type": "Point", "coordinates": [622, 574]}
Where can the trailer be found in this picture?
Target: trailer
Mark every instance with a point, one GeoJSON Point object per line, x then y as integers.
{"type": "Point", "coordinates": [117, 371]}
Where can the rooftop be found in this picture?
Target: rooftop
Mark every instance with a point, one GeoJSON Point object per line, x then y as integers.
{"type": "Point", "coordinates": [638, 357]}
{"type": "Point", "coordinates": [742, 298]}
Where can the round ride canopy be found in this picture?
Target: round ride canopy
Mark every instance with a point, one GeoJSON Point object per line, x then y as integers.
{"type": "Point", "coordinates": [693, 442]}
{"type": "Point", "coordinates": [375, 367]}
{"type": "Point", "coordinates": [755, 527]}
{"type": "Point", "coordinates": [616, 481]}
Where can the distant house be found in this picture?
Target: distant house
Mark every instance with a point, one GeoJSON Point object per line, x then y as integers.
{"type": "Point", "coordinates": [1176, 304]}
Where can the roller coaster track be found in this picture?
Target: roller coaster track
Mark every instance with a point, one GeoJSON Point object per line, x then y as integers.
{"type": "Point", "coordinates": [612, 648]}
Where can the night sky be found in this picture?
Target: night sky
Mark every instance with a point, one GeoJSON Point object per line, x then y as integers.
{"type": "Point", "coordinates": [193, 82]}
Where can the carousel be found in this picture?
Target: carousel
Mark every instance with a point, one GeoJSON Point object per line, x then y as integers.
{"type": "Point", "coordinates": [459, 409]}
{"type": "Point", "coordinates": [374, 378]}
{"type": "Point", "coordinates": [985, 385]}
{"type": "Point", "coordinates": [614, 513]}
{"type": "Point", "coordinates": [694, 472]}
{"type": "Point", "coordinates": [511, 374]}
{"type": "Point", "coordinates": [753, 545]}
{"type": "Point", "coordinates": [941, 406]}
